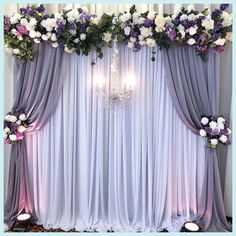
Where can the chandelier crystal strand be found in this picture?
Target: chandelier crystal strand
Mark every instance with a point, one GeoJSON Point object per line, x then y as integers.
{"type": "Point", "coordinates": [115, 94]}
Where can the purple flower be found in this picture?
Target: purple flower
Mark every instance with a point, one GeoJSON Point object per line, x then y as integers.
{"type": "Point", "coordinates": [219, 49]}
{"type": "Point", "coordinates": [216, 13]}
{"type": "Point", "coordinates": [137, 46]}
{"type": "Point", "coordinates": [201, 48]}
{"type": "Point", "coordinates": [148, 23]}
{"type": "Point", "coordinates": [41, 8]}
{"type": "Point", "coordinates": [7, 24]}
{"type": "Point", "coordinates": [27, 11]}
{"type": "Point", "coordinates": [59, 27]}
{"type": "Point", "coordinates": [202, 37]}
{"type": "Point", "coordinates": [215, 36]}
{"type": "Point", "coordinates": [21, 29]}
{"type": "Point", "coordinates": [134, 34]}
{"type": "Point", "coordinates": [223, 6]}
{"type": "Point", "coordinates": [171, 34]}
{"type": "Point", "coordinates": [217, 26]}
{"type": "Point", "coordinates": [70, 26]}
{"type": "Point", "coordinates": [84, 17]}
{"type": "Point", "coordinates": [228, 142]}
{"type": "Point", "coordinates": [176, 21]}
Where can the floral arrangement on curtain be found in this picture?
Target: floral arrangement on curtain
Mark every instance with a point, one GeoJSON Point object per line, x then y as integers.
{"type": "Point", "coordinates": [78, 30]}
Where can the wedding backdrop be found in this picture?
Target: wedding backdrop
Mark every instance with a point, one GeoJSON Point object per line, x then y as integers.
{"type": "Point", "coordinates": [143, 167]}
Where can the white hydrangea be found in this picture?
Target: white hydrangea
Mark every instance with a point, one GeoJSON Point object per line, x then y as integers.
{"type": "Point", "coordinates": [21, 129]}
{"type": "Point", "coordinates": [183, 17]}
{"type": "Point", "coordinates": [192, 30]}
{"type": "Point", "coordinates": [72, 14]}
{"type": "Point", "coordinates": [44, 37]}
{"type": "Point", "coordinates": [160, 22]}
{"type": "Point", "coordinates": [32, 34]}
{"type": "Point", "coordinates": [130, 44]}
{"type": "Point", "coordinates": [7, 117]}
{"type": "Point", "coordinates": [151, 42]}
{"type": "Point", "coordinates": [107, 37]}
{"type": "Point", "coordinates": [227, 19]}
{"type": "Point", "coordinates": [15, 18]}
{"type": "Point", "coordinates": [22, 117]}
{"type": "Point", "coordinates": [145, 32]}
{"type": "Point", "coordinates": [24, 22]}
{"type": "Point", "coordinates": [55, 44]}
{"type": "Point", "coordinates": [208, 24]}
{"type": "Point", "coordinates": [133, 39]}
{"type": "Point", "coordinates": [151, 15]}
{"type": "Point", "coordinates": [213, 124]}
{"type": "Point", "coordinates": [191, 41]}
{"type": "Point", "coordinates": [32, 21]}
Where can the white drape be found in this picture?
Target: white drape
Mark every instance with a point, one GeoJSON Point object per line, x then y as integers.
{"type": "Point", "coordinates": [99, 9]}
{"type": "Point", "coordinates": [137, 169]}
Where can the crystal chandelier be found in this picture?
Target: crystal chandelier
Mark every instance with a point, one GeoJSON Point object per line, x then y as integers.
{"type": "Point", "coordinates": [115, 93]}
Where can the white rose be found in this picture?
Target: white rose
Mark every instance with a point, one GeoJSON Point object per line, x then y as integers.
{"type": "Point", "coordinates": [12, 137]}
{"type": "Point", "coordinates": [55, 44]}
{"type": "Point", "coordinates": [43, 23]}
{"type": "Point", "coordinates": [125, 17]}
{"type": "Point", "coordinates": [151, 42]}
{"type": "Point", "coordinates": [33, 22]}
{"type": "Point", "coordinates": [136, 15]}
{"type": "Point", "coordinates": [32, 34]}
{"type": "Point", "coordinates": [220, 119]}
{"type": "Point", "coordinates": [7, 130]}
{"type": "Point", "coordinates": [192, 30]}
{"type": "Point", "coordinates": [220, 125]}
{"type": "Point", "coordinates": [151, 15]}
{"type": "Point", "coordinates": [140, 37]}
{"type": "Point", "coordinates": [214, 141]}
{"type": "Point", "coordinates": [66, 49]}
{"type": "Point", "coordinates": [168, 19]}
{"type": "Point", "coordinates": [204, 120]}
{"type": "Point", "coordinates": [76, 40]}
{"type": "Point", "coordinates": [227, 19]}
{"type": "Point", "coordinates": [183, 17]}
{"type": "Point", "coordinates": [145, 32]}
{"type": "Point", "coordinates": [202, 133]}
{"type": "Point", "coordinates": [22, 117]}
{"type": "Point", "coordinates": [213, 124]}
{"type": "Point", "coordinates": [82, 36]}
{"type": "Point", "coordinates": [127, 30]}
{"type": "Point", "coordinates": [21, 129]}
{"type": "Point", "coordinates": [208, 24]}
{"type": "Point", "coordinates": [24, 21]}
{"type": "Point", "coordinates": [130, 44]}
{"type": "Point", "coordinates": [54, 37]}
{"type": "Point", "coordinates": [44, 37]}
{"type": "Point", "coordinates": [37, 40]}
{"type": "Point", "coordinates": [220, 41]}
{"type": "Point", "coordinates": [73, 14]}
{"type": "Point", "coordinates": [107, 37]}
{"type": "Point", "coordinates": [191, 41]}
{"type": "Point", "coordinates": [229, 131]}
{"type": "Point", "coordinates": [160, 22]}
{"type": "Point", "coordinates": [16, 51]}
{"type": "Point", "coordinates": [223, 138]}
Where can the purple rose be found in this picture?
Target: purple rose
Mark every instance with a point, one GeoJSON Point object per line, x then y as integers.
{"type": "Point", "coordinates": [21, 29]}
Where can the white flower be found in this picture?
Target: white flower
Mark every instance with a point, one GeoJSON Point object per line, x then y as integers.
{"type": "Point", "coordinates": [229, 36]}
{"type": "Point", "coordinates": [140, 37]}
{"type": "Point", "coordinates": [24, 21]}
{"type": "Point", "coordinates": [22, 117]}
{"type": "Point", "coordinates": [18, 122]}
{"type": "Point", "coordinates": [73, 32]}
{"type": "Point", "coordinates": [125, 17]}
{"type": "Point", "coordinates": [12, 137]}
{"type": "Point", "coordinates": [107, 37]}
{"type": "Point", "coordinates": [204, 120]}
{"type": "Point", "coordinates": [76, 40]}
{"type": "Point", "coordinates": [15, 18]}
{"type": "Point", "coordinates": [220, 41]}
{"type": "Point", "coordinates": [49, 34]}
{"type": "Point", "coordinates": [7, 130]}
{"type": "Point", "coordinates": [55, 44]}
{"type": "Point", "coordinates": [127, 30]}
{"type": "Point", "coordinates": [73, 14]}
{"type": "Point", "coordinates": [168, 19]}
{"type": "Point", "coordinates": [58, 16]}
{"type": "Point", "coordinates": [220, 125]}
{"type": "Point", "coordinates": [16, 51]}
{"type": "Point", "coordinates": [95, 20]}
{"type": "Point", "coordinates": [33, 22]}
{"type": "Point", "coordinates": [53, 37]}
{"type": "Point", "coordinates": [21, 129]}
{"type": "Point", "coordinates": [151, 42]}
{"type": "Point", "coordinates": [190, 7]}
{"type": "Point", "coordinates": [38, 34]}
{"type": "Point", "coordinates": [220, 119]}
{"type": "Point", "coordinates": [202, 133]}
{"type": "Point", "coordinates": [160, 22]}
{"type": "Point", "coordinates": [223, 138]}
{"type": "Point", "coordinates": [192, 17]}
{"type": "Point", "coordinates": [183, 17]}
{"type": "Point", "coordinates": [142, 42]}
{"type": "Point", "coordinates": [227, 19]}
{"type": "Point", "coordinates": [133, 39]}
{"type": "Point", "coordinates": [229, 131]}
{"type": "Point", "coordinates": [20, 38]}
{"type": "Point", "coordinates": [66, 49]}
{"type": "Point", "coordinates": [145, 32]}
{"type": "Point", "coordinates": [140, 20]}
{"type": "Point", "coordinates": [214, 141]}
{"type": "Point", "coordinates": [130, 44]}
{"type": "Point", "coordinates": [136, 15]}
{"type": "Point", "coordinates": [32, 34]}
{"type": "Point", "coordinates": [44, 37]}
{"type": "Point", "coordinates": [213, 124]}
{"type": "Point", "coordinates": [182, 32]}
{"type": "Point", "coordinates": [208, 24]}
{"type": "Point", "coordinates": [191, 41]}
{"type": "Point", "coordinates": [151, 15]}
{"type": "Point", "coordinates": [82, 36]}
{"type": "Point", "coordinates": [37, 40]}
{"type": "Point", "coordinates": [7, 117]}
{"type": "Point", "coordinates": [192, 30]}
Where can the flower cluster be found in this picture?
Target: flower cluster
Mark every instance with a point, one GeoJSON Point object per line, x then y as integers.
{"type": "Point", "coordinates": [15, 124]}
{"type": "Point", "coordinates": [216, 130]}
{"type": "Point", "coordinates": [76, 30]}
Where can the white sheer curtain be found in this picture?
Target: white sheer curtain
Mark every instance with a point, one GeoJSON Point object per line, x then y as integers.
{"type": "Point", "coordinates": [137, 169]}
{"type": "Point", "coordinates": [99, 9]}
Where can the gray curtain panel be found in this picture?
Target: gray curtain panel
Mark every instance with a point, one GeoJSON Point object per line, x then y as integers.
{"type": "Point", "coordinates": [37, 86]}
{"type": "Point", "coordinates": [194, 87]}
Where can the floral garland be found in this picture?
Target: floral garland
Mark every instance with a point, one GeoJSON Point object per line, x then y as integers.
{"type": "Point", "coordinates": [79, 31]}
{"type": "Point", "coordinates": [15, 124]}
{"type": "Point", "coordinates": [216, 130]}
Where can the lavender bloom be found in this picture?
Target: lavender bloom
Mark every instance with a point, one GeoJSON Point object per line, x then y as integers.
{"type": "Point", "coordinates": [148, 23]}
{"type": "Point", "coordinates": [7, 24]}
{"type": "Point", "coordinates": [59, 27]}
{"type": "Point", "coordinates": [202, 37]}
{"type": "Point", "coordinates": [223, 6]}
{"type": "Point", "coordinates": [27, 11]}
{"type": "Point", "coordinates": [216, 13]}
{"type": "Point", "coordinates": [171, 34]}
{"type": "Point", "coordinates": [217, 26]}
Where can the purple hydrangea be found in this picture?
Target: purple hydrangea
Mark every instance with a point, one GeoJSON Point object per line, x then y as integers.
{"type": "Point", "coordinates": [217, 26]}
{"type": "Point", "coordinates": [216, 13]}
{"type": "Point", "coordinates": [134, 34]}
{"type": "Point", "coordinates": [223, 6]}
{"type": "Point", "coordinates": [59, 27]}
{"type": "Point", "coordinates": [148, 23]}
{"type": "Point", "coordinates": [27, 11]}
{"type": "Point", "coordinates": [41, 8]}
{"type": "Point", "coordinates": [171, 33]}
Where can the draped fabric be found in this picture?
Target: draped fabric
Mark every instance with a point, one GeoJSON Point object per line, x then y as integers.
{"type": "Point", "coordinates": [138, 169]}
{"type": "Point", "coordinates": [37, 87]}
{"type": "Point", "coordinates": [194, 87]}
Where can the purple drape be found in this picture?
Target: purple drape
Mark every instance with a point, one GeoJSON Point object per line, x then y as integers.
{"type": "Point", "coordinates": [194, 87]}
{"type": "Point", "coordinates": [37, 86]}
